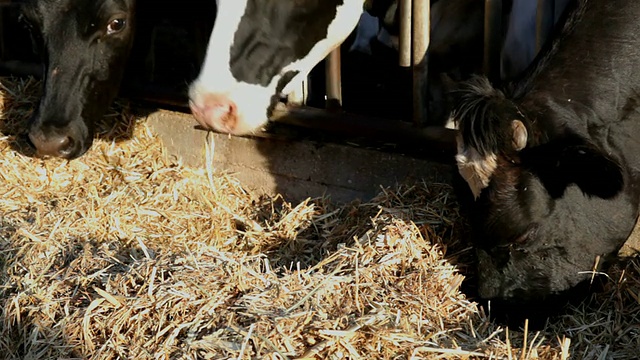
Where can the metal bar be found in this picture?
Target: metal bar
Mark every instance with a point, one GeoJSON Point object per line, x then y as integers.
{"type": "Point", "coordinates": [420, 44]}
{"type": "Point", "coordinates": [333, 80]}
{"type": "Point", "coordinates": [435, 142]}
{"type": "Point", "coordinates": [492, 38]}
{"type": "Point", "coordinates": [431, 141]}
{"type": "Point", "coordinates": [405, 7]}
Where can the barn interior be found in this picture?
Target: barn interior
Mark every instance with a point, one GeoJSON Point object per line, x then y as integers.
{"type": "Point", "coordinates": [167, 241]}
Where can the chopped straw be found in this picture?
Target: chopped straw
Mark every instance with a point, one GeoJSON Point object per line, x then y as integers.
{"type": "Point", "coordinates": [128, 254]}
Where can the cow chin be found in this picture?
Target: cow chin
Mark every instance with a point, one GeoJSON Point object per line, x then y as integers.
{"type": "Point", "coordinates": [510, 281]}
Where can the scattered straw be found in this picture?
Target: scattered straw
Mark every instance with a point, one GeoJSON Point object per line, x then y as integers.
{"type": "Point", "coordinates": [124, 254]}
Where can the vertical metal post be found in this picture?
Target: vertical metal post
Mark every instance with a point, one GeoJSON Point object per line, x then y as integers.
{"type": "Point", "coordinates": [492, 38]}
{"type": "Point", "coordinates": [420, 43]}
{"type": "Point", "coordinates": [405, 8]}
{"type": "Point", "coordinates": [334, 80]}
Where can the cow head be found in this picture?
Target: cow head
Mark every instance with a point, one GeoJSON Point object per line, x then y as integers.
{"type": "Point", "coordinates": [84, 46]}
{"type": "Point", "coordinates": [493, 130]}
{"type": "Point", "coordinates": [542, 197]}
{"type": "Point", "coordinates": [260, 50]}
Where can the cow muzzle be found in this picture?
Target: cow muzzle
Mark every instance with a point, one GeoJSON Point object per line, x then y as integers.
{"type": "Point", "coordinates": [66, 143]}
{"type": "Point", "coordinates": [216, 112]}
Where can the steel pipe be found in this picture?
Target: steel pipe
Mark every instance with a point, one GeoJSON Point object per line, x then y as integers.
{"type": "Point", "coordinates": [333, 77]}
{"type": "Point", "coordinates": [419, 59]}
{"type": "Point", "coordinates": [405, 42]}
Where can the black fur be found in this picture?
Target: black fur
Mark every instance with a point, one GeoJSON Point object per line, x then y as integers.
{"type": "Point", "coordinates": [571, 196]}
{"type": "Point", "coordinates": [571, 159]}
{"type": "Point", "coordinates": [484, 115]}
{"type": "Point", "coordinates": [275, 33]}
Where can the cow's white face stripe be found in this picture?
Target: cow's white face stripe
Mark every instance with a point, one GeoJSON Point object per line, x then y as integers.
{"type": "Point", "coordinates": [474, 168]}
{"type": "Point", "coordinates": [216, 72]}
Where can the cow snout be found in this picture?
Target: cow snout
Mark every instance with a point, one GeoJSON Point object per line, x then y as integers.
{"type": "Point", "coordinates": [57, 145]}
{"type": "Point", "coordinates": [216, 112]}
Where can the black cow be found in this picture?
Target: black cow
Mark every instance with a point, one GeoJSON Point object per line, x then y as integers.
{"type": "Point", "coordinates": [554, 160]}
{"type": "Point", "coordinates": [84, 46]}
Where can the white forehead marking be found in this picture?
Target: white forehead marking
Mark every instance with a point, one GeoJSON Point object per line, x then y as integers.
{"type": "Point", "coordinates": [216, 72]}
{"type": "Point", "coordinates": [475, 169]}
{"type": "Point", "coordinates": [451, 123]}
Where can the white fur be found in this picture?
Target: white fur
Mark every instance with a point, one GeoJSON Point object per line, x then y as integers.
{"type": "Point", "coordinates": [451, 124]}
{"type": "Point", "coordinates": [475, 169]}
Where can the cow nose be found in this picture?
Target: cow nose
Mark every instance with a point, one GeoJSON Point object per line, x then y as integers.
{"type": "Point", "coordinates": [215, 112]}
{"type": "Point", "coordinates": [53, 145]}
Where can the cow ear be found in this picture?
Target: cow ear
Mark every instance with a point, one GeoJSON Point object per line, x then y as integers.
{"type": "Point", "coordinates": [574, 160]}
{"type": "Point", "coordinates": [519, 136]}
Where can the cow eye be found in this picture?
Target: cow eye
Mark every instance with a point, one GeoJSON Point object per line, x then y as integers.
{"type": "Point", "coordinates": [116, 25]}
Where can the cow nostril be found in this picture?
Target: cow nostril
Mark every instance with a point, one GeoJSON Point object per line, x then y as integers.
{"type": "Point", "coordinates": [232, 109]}
{"type": "Point", "coordinates": [65, 146]}
{"type": "Point", "coordinates": [60, 146]}
{"type": "Point", "coordinates": [215, 112]}
{"type": "Point", "coordinates": [220, 110]}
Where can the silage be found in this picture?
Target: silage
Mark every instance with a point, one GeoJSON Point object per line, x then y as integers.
{"type": "Point", "coordinates": [126, 253]}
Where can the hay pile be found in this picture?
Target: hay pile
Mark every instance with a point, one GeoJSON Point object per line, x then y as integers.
{"type": "Point", "coordinates": [126, 254]}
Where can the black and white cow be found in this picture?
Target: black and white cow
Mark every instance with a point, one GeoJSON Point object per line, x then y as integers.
{"type": "Point", "coordinates": [260, 50]}
{"type": "Point", "coordinates": [553, 163]}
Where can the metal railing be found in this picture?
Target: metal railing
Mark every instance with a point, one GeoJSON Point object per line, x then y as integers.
{"type": "Point", "coordinates": [414, 41]}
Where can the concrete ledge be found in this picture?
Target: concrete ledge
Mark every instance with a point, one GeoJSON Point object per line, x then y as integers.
{"type": "Point", "coordinates": [294, 168]}
{"type": "Point", "coordinates": [298, 169]}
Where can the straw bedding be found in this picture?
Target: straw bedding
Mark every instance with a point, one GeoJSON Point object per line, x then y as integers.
{"type": "Point", "coordinates": [127, 254]}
